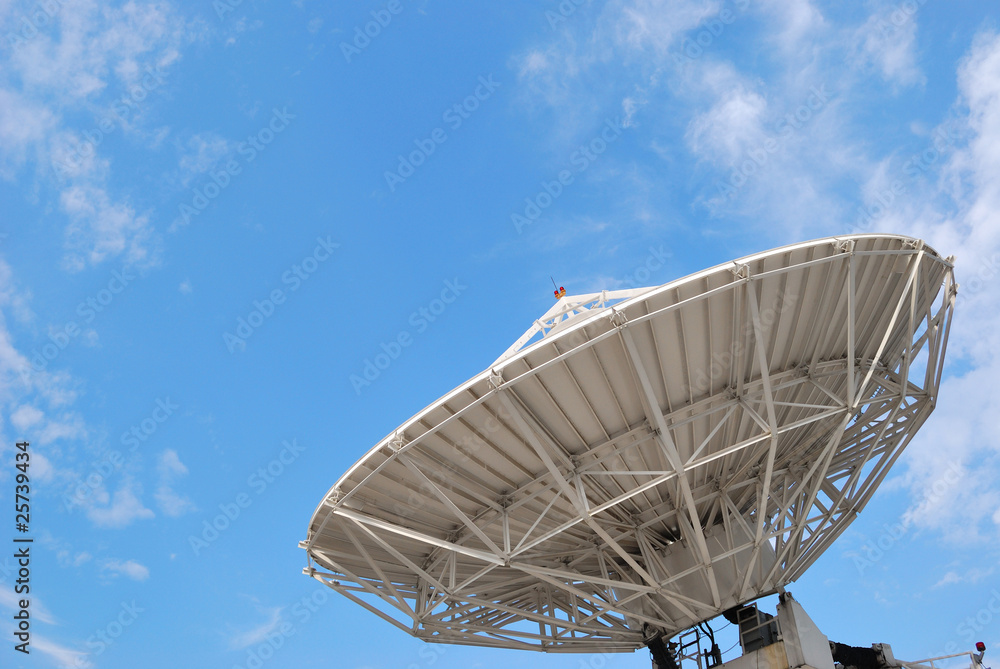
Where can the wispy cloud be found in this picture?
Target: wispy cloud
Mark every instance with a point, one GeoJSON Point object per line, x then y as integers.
{"type": "Point", "coordinates": [25, 416]}
{"type": "Point", "coordinates": [120, 510]}
{"type": "Point", "coordinates": [789, 129]}
{"type": "Point", "coordinates": [962, 216]}
{"type": "Point", "coordinates": [577, 73]}
{"type": "Point", "coordinates": [9, 601]}
{"type": "Point", "coordinates": [130, 569]}
{"type": "Point", "coordinates": [170, 469]}
{"type": "Point", "coordinates": [970, 576]}
{"type": "Point", "coordinates": [888, 43]}
{"type": "Point", "coordinates": [240, 639]}
{"type": "Point", "coordinates": [84, 65]}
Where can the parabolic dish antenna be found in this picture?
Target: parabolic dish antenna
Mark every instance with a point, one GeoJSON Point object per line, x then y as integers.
{"type": "Point", "coordinates": [649, 458]}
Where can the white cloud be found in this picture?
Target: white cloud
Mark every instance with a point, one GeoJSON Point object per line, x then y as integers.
{"type": "Point", "coordinates": [124, 508]}
{"type": "Point", "coordinates": [809, 185]}
{"type": "Point", "coordinates": [731, 126]}
{"type": "Point", "coordinates": [629, 107]}
{"type": "Point", "coordinates": [170, 502]}
{"type": "Point", "coordinates": [968, 414]}
{"type": "Point", "coordinates": [44, 471]}
{"type": "Point", "coordinates": [9, 600]}
{"type": "Point", "coordinates": [972, 576]}
{"type": "Point", "coordinates": [100, 229]}
{"type": "Point", "coordinates": [888, 42]}
{"type": "Point", "coordinates": [66, 555]}
{"type": "Point", "coordinates": [89, 54]}
{"type": "Point", "coordinates": [239, 640]}
{"type": "Point", "coordinates": [96, 46]}
{"type": "Point", "coordinates": [130, 569]}
{"type": "Point", "coordinates": [36, 401]}
{"type": "Point", "coordinates": [797, 24]}
{"type": "Point", "coordinates": [651, 27]}
{"type": "Point", "coordinates": [25, 416]}
{"type": "Point", "coordinates": [68, 425]}
{"type": "Point", "coordinates": [66, 559]}
{"type": "Point", "coordinates": [646, 51]}
{"type": "Point", "coordinates": [24, 124]}
{"type": "Point", "coordinates": [12, 296]}
{"type": "Point", "coordinates": [64, 658]}
{"type": "Point", "coordinates": [170, 464]}
{"type": "Point", "coordinates": [201, 152]}
{"type": "Point", "coordinates": [576, 72]}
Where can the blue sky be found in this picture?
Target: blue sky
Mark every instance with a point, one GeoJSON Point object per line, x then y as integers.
{"type": "Point", "coordinates": [213, 214]}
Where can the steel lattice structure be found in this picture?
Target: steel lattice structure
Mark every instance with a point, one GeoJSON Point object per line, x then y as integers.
{"type": "Point", "coordinates": [647, 457]}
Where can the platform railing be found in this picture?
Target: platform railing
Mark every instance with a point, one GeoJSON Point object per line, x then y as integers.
{"type": "Point", "coordinates": [975, 661]}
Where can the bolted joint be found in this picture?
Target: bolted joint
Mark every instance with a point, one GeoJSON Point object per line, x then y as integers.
{"type": "Point", "coordinates": [844, 245]}
{"type": "Point", "coordinates": [397, 443]}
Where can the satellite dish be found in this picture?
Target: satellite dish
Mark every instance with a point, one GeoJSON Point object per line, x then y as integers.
{"type": "Point", "coordinates": [647, 459]}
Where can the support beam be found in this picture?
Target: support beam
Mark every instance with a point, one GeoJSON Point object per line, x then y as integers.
{"type": "Point", "coordinates": [655, 417]}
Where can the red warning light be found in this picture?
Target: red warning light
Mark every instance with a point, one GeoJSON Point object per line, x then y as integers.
{"type": "Point", "coordinates": [980, 646]}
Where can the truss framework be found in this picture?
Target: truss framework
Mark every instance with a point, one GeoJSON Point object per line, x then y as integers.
{"type": "Point", "coordinates": [691, 448]}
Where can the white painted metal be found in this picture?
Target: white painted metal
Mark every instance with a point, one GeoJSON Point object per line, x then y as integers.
{"type": "Point", "coordinates": [649, 456]}
{"type": "Point", "coordinates": [801, 645]}
{"type": "Point", "coordinates": [975, 661]}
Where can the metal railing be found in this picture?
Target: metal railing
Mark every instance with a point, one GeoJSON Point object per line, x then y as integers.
{"type": "Point", "coordinates": [975, 661]}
